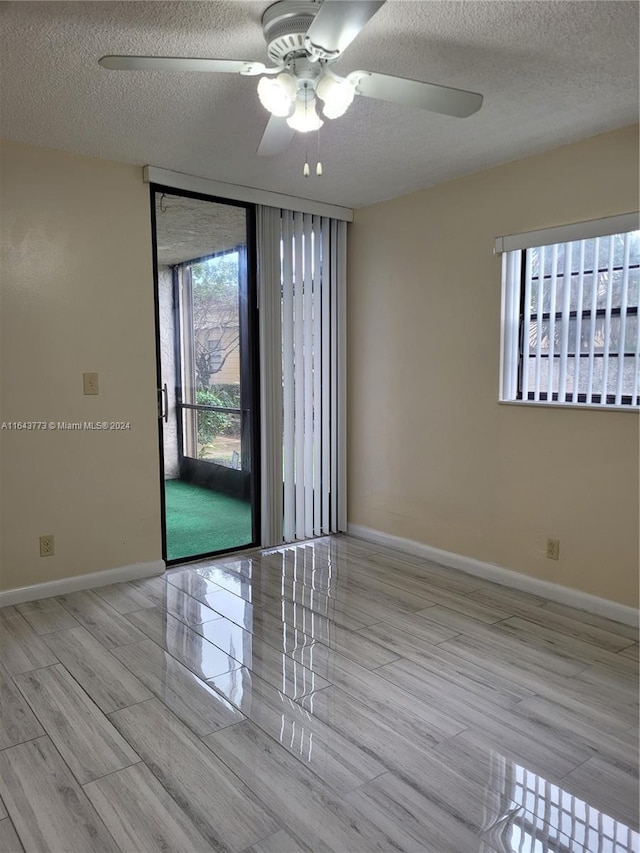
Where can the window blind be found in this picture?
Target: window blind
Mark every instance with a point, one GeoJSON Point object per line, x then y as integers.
{"type": "Point", "coordinates": [570, 322]}
{"type": "Point", "coordinates": [270, 316]}
{"type": "Point", "coordinates": [303, 347]}
{"type": "Point", "coordinates": [313, 376]}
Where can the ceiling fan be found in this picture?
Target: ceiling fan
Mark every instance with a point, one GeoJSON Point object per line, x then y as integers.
{"type": "Point", "coordinates": [304, 39]}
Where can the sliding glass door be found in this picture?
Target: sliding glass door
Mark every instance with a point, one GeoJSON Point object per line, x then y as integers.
{"type": "Point", "coordinates": [208, 367]}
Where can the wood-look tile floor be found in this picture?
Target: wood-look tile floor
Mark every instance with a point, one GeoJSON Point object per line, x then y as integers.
{"type": "Point", "coordinates": [329, 696]}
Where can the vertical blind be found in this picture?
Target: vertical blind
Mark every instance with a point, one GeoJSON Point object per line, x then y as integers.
{"type": "Point", "coordinates": [570, 321]}
{"type": "Point", "coordinates": [268, 231]}
{"type": "Point", "coordinates": [311, 376]}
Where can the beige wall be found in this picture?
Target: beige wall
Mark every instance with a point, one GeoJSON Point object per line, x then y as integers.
{"type": "Point", "coordinates": [77, 295]}
{"type": "Point", "coordinates": [432, 456]}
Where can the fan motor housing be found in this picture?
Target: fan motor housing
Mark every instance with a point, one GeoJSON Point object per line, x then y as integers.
{"type": "Point", "coordinates": [285, 26]}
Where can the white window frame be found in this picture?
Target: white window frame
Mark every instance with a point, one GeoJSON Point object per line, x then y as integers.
{"type": "Point", "coordinates": [515, 279]}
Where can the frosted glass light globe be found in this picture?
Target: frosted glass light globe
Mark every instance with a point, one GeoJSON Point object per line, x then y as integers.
{"type": "Point", "coordinates": [278, 95]}
{"type": "Point", "coordinates": [305, 117]}
{"type": "Point", "coordinates": [337, 96]}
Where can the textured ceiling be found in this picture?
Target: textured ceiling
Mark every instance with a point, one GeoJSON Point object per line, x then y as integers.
{"type": "Point", "coordinates": [551, 73]}
{"type": "Point", "coordinates": [187, 228]}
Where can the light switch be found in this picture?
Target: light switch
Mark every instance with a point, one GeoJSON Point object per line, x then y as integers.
{"type": "Point", "coordinates": [90, 383]}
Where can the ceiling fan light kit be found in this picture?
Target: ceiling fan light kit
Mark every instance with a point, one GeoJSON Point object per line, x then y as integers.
{"type": "Point", "coordinates": [304, 38]}
{"type": "Point", "coordinates": [336, 94]}
{"type": "Point", "coordinates": [305, 117]}
{"type": "Point", "coordinates": [278, 95]}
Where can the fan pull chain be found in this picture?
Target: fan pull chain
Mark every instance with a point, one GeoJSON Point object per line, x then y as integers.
{"type": "Point", "coordinates": [306, 171]}
{"type": "Point", "coordinates": [319, 163]}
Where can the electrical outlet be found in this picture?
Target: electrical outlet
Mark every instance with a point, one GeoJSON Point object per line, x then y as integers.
{"type": "Point", "coordinates": [553, 549]}
{"type": "Point", "coordinates": [90, 383]}
{"type": "Point", "coordinates": [46, 546]}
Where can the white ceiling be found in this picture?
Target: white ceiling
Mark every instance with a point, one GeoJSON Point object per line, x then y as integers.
{"type": "Point", "coordinates": [551, 73]}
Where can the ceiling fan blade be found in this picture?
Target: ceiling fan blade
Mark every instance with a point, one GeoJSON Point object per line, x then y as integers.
{"type": "Point", "coordinates": [422, 96]}
{"type": "Point", "coordinates": [276, 137]}
{"type": "Point", "coordinates": [337, 24]}
{"type": "Point", "coordinates": [179, 63]}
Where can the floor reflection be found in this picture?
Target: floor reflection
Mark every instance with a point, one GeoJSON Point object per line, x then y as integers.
{"type": "Point", "coordinates": [553, 820]}
{"type": "Point", "coordinates": [273, 642]}
{"type": "Point", "coordinates": [279, 715]}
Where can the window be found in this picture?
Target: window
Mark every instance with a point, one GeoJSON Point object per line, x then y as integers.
{"type": "Point", "coordinates": [215, 355]}
{"type": "Point", "coordinates": [570, 315]}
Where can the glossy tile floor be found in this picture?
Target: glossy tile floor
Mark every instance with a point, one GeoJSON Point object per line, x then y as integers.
{"type": "Point", "coordinates": [332, 696]}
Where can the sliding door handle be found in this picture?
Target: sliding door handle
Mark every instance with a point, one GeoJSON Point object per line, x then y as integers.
{"type": "Point", "coordinates": [163, 404]}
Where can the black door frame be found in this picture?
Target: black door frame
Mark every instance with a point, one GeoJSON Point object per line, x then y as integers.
{"type": "Point", "coordinates": [249, 360]}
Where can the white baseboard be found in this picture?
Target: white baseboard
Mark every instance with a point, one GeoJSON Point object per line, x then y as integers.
{"type": "Point", "coordinates": [64, 585]}
{"type": "Point", "coordinates": [506, 577]}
